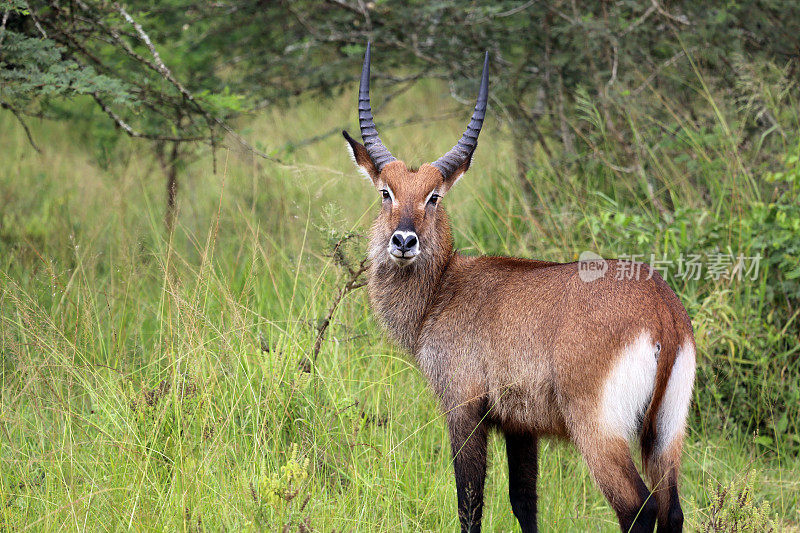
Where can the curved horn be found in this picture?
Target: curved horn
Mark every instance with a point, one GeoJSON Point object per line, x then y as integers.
{"type": "Point", "coordinates": [377, 151]}
{"type": "Point", "coordinates": [458, 154]}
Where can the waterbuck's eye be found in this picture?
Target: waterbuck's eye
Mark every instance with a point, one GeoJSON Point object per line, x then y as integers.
{"type": "Point", "coordinates": [385, 194]}
{"type": "Point", "coordinates": [433, 199]}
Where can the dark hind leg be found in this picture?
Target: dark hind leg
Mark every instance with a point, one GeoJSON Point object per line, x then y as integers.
{"type": "Point", "coordinates": [609, 460]}
{"type": "Point", "coordinates": [662, 471]}
{"type": "Point", "coordinates": [523, 468]}
{"type": "Point", "coordinates": [468, 443]}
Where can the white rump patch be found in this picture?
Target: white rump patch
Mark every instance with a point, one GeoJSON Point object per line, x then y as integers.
{"type": "Point", "coordinates": [629, 387]}
{"type": "Point", "coordinates": [672, 413]}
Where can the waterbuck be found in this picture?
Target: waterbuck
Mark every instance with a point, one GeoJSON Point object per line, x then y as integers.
{"type": "Point", "coordinates": [532, 348]}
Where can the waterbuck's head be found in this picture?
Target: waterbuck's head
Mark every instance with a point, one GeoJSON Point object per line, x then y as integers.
{"type": "Point", "coordinates": [411, 224]}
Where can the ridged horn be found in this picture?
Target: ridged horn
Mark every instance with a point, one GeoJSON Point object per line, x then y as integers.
{"type": "Point", "coordinates": [458, 154]}
{"type": "Point", "coordinates": [377, 151]}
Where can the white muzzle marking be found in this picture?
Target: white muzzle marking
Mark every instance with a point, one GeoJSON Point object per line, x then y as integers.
{"type": "Point", "coordinates": [399, 249]}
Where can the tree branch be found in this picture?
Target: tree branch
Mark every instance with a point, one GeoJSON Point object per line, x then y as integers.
{"type": "Point", "coordinates": [138, 134]}
{"type": "Point", "coordinates": [669, 62]}
{"type": "Point", "coordinates": [3, 27]}
{"type": "Point", "coordinates": [19, 118]}
{"type": "Point", "coordinates": [162, 68]}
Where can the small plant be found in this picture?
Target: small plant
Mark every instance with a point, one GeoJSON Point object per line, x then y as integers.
{"type": "Point", "coordinates": [275, 492]}
{"type": "Point", "coordinates": [284, 487]}
{"type": "Point", "coordinates": [734, 510]}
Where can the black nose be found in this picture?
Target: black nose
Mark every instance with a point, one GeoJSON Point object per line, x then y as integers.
{"type": "Point", "coordinates": [404, 241]}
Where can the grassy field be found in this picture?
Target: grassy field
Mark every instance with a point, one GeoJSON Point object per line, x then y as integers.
{"type": "Point", "coordinates": [153, 382]}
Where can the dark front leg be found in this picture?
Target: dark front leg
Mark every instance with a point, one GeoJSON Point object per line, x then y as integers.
{"type": "Point", "coordinates": [523, 468]}
{"type": "Point", "coordinates": [468, 443]}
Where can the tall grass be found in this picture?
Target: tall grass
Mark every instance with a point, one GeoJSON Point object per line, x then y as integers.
{"type": "Point", "coordinates": [152, 381]}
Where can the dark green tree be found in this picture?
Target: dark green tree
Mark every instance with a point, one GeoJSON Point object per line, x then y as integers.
{"type": "Point", "coordinates": [175, 71]}
{"type": "Point", "coordinates": [52, 52]}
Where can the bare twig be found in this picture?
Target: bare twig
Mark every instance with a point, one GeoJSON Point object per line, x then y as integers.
{"type": "Point", "coordinates": [3, 26]}
{"type": "Point", "coordinates": [680, 19]}
{"type": "Point", "coordinates": [249, 147]}
{"type": "Point", "coordinates": [22, 123]}
{"type": "Point", "coordinates": [35, 19]}
{"type": "Point", "coordinates": [385, 126]}
{"type": "Point", "coordinates": [348, 6]}
{"type": "Point", "coordinates": [167, 73]}
{"type": "Point", "coordinates": [365, 11]}
{"type": "Point", "coordinates": [455, 96]}
{"type": "Point", "coordinates": [638, 22]}
{"type": "Point", "coordinates": [668, 63]}
{"type": "Point", "coordinates": [117, 38]}
{"type": "Point", "coordinates": [354, 282]}
{"type": "Point", "coordinates": [162, 68]}
{"type": "Point", "coordinates": [136, 133]}
{"type": "Point", "coordinates": [515, 10]}
{"type": "Point", "coordinates": [614, 65]}
{"type": "Point", "coordinates": [503, 14]}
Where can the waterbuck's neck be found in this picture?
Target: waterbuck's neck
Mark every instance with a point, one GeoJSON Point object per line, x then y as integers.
{"type": "Point", "coordinates": [400, 295]}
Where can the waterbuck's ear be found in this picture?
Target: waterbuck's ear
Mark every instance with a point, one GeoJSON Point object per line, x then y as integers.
{"type": "Point", "coordinates": [460, 170]}
{"type": "Point", "coordinates": [359, 154]}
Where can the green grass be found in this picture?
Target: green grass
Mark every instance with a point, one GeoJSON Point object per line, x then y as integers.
{"type": "Point", "coordinates": [98, 307]}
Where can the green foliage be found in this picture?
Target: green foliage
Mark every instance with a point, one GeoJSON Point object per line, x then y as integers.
{"type": "Point", "coordinates": [279, 495]}
{"type": "Point", "coordinates": [745, 323]}
{"type": "Point", "coordinates": [52, 54]}
{"type": "Point", "coordinates": [733, 508]}
{"type": "Point", "coordinates": [546, 55]}
{"type": "Point", "coordinates": [35, 68]}
{"type": "Point", "coordinates": [783, 217]}
{"type": "Point", "coordinates": [16, 6]}
{"type": "Point", "coordinates": [167, 417]}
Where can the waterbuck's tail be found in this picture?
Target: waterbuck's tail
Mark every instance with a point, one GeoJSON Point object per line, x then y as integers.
{"type": "Point", "coordinates": [664, 424]}
{"type": "Point", "coordinates": [665, 418]}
